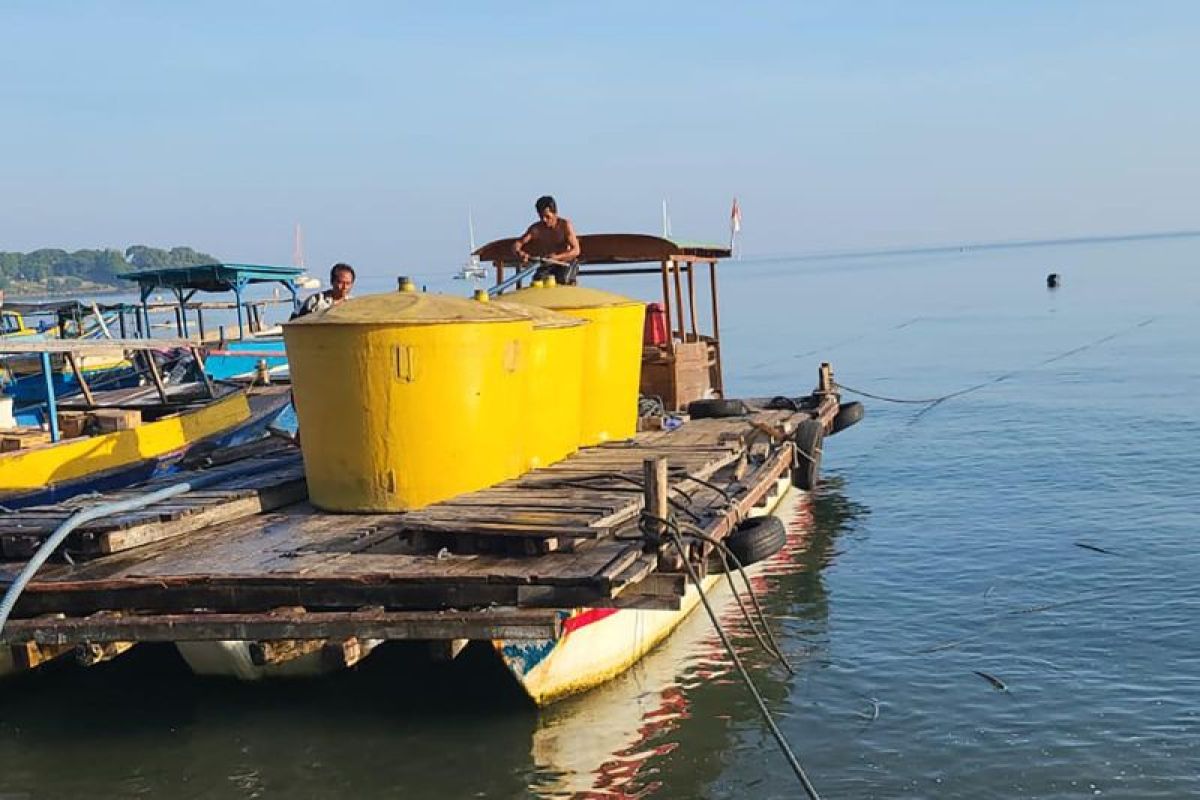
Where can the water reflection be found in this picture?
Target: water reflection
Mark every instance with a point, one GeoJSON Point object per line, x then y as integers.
{"type": "Point", "coordinates": [400, 725]}
{"type": "Point", "coordinates": [665, 726]}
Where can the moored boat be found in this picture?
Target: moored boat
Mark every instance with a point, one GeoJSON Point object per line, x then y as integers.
{"type": "Point", "coordinates": [569, 572]}
{"type": "Point", "coordinates": [107, 439]}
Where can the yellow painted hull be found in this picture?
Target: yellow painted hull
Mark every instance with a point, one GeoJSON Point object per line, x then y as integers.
{"type": "Point", "coordinates": [71, 459]}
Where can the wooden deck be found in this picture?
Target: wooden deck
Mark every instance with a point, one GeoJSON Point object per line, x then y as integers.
{"type": "Point", "coordinates": [249, 558]}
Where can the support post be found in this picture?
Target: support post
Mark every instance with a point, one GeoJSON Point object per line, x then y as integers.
{"type": "Point", "coordinates": [237, 295]}
{"type": "Point", "coordinates": [679, 299]}
{"type": "Point", "coordinates": [655, 491]}
{"type": "Point", "coordinates": [716, 328]}
{"type": "Point", "coordinates": [155, 375]}
{"type": "Point", "coordinates": [51, 400]}
{"type": "Point", "coordinates": [667, 301]}
{"type": "Point", "coordinates": [83, 384]}
{"type": "Point", "coordinates": [691, 283]}
{"type": "Point", "coordinates": [208, 384]}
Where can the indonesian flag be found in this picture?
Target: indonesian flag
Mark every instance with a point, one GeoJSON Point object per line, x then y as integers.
{"type": "Point", "coordinates": [735, 218]}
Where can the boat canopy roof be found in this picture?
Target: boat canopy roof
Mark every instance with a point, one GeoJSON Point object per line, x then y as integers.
{"type": "Point", "coordinates": [618, 248]}
{"type": "Point", "coordinates": [212, 277]}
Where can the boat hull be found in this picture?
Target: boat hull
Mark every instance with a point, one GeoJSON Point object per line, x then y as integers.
{"type": "Point", "coordinates": [124, 458]}
{"type": "Point", "coordinates": [598, 644]}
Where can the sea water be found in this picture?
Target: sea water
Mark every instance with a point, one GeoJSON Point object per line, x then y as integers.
{"type": "Point", "coordinates": [990, 596]}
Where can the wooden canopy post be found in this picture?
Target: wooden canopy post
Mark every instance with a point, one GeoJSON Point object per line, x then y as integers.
{"type": "Point", "coordinates": [678, 298]}
{"type": "Point", "coordinates": [716, 325]}
{"type": "Point", "coordinates": [691, 283]}
{"type": "Point", "coordinates": [666, 298]}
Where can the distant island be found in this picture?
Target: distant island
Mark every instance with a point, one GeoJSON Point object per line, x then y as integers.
{"type": "Point", "coordinates": [52, 271]}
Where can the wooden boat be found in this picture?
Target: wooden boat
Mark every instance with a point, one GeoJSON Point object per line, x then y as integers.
{"type": "Point", "coordinates": [22, 373]}
{"type": "Point", "coordinates": [107, 439]}
{"type": "Point", "coordinates": [564, 573]}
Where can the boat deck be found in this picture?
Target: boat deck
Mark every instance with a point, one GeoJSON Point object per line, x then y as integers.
{"type": "Point", "coordinates": [248, 558]}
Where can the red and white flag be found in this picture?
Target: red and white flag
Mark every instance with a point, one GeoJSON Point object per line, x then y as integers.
{"type": "Point", "coordinates": [735, 218]}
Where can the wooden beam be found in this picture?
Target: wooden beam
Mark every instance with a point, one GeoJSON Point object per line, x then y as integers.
{"type": "Point", "coordinates": [666, 286]}
{"type": "Point", "coordinates": [656, 492]}
{"type": "Point", "coordinates": [155, 375]}
{"type": "Point", "coordinates": [73, 360]}
{"type": "Point", "coordinates": [493, 624]}
{"type": "Point", "coordinates": [85, 346]}
{"type": "Point", "coordinates": [716, 327]}
{"type": "Point", "coordinates": [678, 298]}
{"type": "Point", "coordinates": [691, 284]}
{"type": "Point", "coordinates": [208, 384]}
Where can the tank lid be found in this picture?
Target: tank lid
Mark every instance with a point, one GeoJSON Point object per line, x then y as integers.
{"type": "Point", "coordinates": [560, 297]}
{"type": "Point", "coordinates": [412, 308]}
{"type": "Point", "coordinates": [543, 317]}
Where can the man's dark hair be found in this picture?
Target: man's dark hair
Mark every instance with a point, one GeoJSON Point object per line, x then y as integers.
{"type": "Point", "coordinates": [339, 267]}
{"type": "Point", "coordinates": [544, 202]}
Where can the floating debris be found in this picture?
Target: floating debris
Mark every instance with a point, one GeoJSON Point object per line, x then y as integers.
{"type": "Point", "coordinates": [993, 680]}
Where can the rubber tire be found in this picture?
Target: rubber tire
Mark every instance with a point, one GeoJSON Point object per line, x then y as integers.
{"type": "Point", "coordinates": [755, 540]}
{"type": "Point", "coordinates": [808, 438]}
{"type": "Point", "coordinates": [716, 408]}
{"type": "Point", "coordinates": [848, 414]}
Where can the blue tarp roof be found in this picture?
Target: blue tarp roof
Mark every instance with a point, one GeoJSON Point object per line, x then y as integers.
{"type": "Point", "coordinates": [212, 277]}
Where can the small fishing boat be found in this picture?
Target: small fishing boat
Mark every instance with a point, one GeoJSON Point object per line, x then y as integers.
{"type": "Point", "coordinates": [21, 373]}
{"type": "Point", "coordinates": [103, 439]}
{"type": "Point", "coordinates": [554, 475]}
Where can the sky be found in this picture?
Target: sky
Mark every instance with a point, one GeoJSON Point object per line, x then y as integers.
{"type": "Point", "coordinates": [379, 126]}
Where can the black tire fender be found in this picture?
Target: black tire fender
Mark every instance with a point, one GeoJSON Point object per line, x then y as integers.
{"type": "Point", "coordinates": [806, 473]}
{"type": "Point", "coordinates": [716, 408]}
{"type": "Point", "coordinates": [848, 414]}
{"type": "Point", "coordinates": [755, 540]}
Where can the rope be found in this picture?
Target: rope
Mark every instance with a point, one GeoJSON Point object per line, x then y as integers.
{"type": "Point", "coordinates": [933, 401]}
{"type": "Point", "coordinates": [780, 739]}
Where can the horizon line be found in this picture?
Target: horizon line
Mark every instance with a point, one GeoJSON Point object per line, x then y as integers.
{"type": "Point", "coordinates": [965, 246]}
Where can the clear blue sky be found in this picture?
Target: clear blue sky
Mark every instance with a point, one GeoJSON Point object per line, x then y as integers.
{"type": "Point", "coordinates": [375, 125]}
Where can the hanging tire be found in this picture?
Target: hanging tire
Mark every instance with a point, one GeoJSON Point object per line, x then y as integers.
{"type": "Point", "coordinates": [716, 408]}
{"type": "Point", "coordinates": [848, 414]}
{"type": "Point", "coordinates": [808, 438]}
{"type": "Point", "coordinates": [755, 540]}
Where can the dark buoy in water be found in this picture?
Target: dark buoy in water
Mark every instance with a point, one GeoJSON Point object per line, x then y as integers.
{"type": "Point", "coordinates": [1052, 280]}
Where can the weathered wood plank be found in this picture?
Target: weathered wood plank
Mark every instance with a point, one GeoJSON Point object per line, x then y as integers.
{"type": "Point", "coordinates": [374, 624]}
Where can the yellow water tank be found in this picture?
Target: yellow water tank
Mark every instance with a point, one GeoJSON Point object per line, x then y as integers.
{"type": "Point", "coordinates": [406, 399]}
{"type": "Point", "coordinates": [612, 360]}
{"type": "Point", "coordinates": [553, 407]}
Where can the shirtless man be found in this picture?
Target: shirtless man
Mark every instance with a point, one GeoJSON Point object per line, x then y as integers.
{"type": "Point", "coordinates": [553, 238]}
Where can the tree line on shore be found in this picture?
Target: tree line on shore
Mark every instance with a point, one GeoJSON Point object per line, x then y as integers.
{"type": "Point", "coordinates": [55, 269]}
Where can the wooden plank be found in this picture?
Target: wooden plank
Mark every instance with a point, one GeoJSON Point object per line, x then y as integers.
{"type": "Point", "coordinates": [203, 517]}
{"type": "Point", "coordinates": [85, 346]}
{"type": "Point", "coordinates": [373, 624]}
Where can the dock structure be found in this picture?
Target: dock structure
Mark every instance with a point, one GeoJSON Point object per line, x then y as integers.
{"type": "Point", "coordinates": [249, 559]}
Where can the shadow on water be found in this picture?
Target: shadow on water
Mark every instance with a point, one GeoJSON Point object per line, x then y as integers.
{"type": "Point", "coordinates": [399, 725]}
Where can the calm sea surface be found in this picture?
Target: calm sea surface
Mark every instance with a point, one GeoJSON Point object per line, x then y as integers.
{"type": "Point", "coordinates": [1042, 529]}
